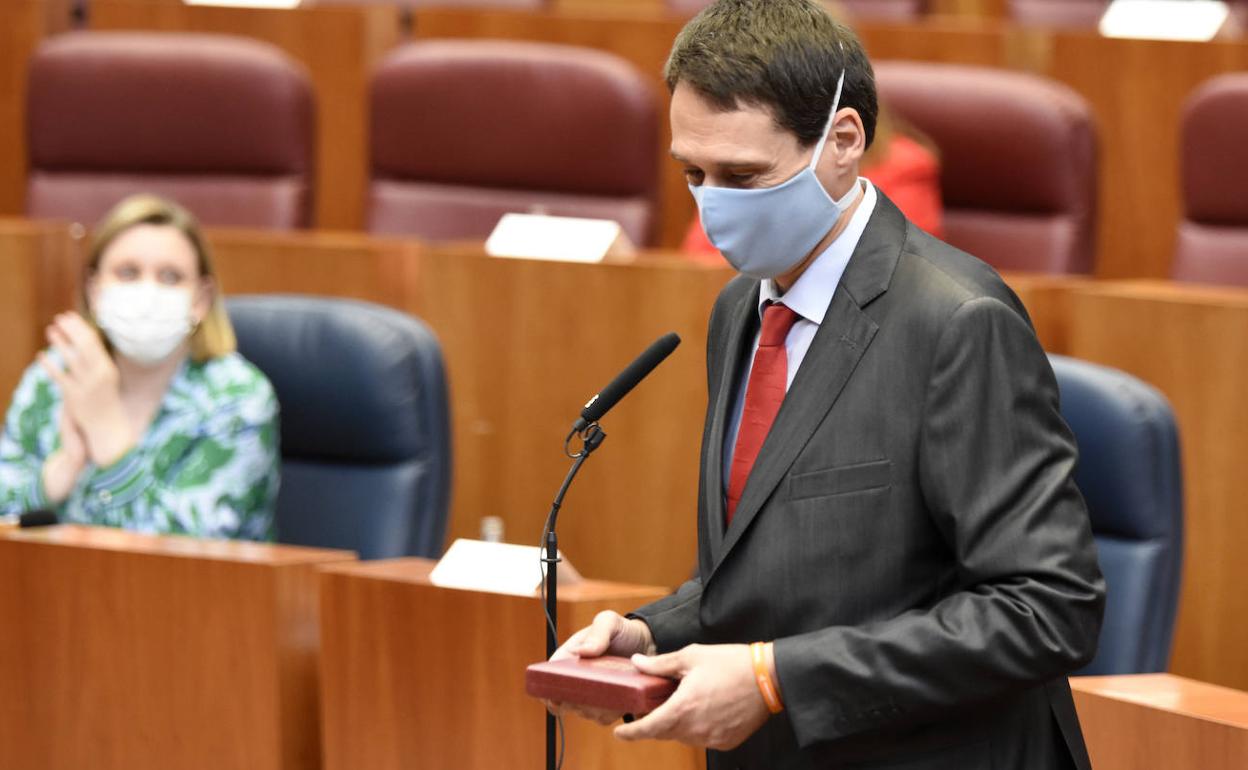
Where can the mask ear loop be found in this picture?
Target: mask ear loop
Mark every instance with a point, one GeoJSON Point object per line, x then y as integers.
{"type": "Point", "coordinates": [827, 129]}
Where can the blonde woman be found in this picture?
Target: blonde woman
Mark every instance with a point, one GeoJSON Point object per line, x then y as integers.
{"type": "Point", "coordinates": [141, 414]}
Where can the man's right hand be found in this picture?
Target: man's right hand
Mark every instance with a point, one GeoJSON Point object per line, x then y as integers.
{"type": "Point", "coordinates": [609, 634]}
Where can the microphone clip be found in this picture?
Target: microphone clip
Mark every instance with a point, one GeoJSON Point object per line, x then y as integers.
{"type": "Point", "coordinates": [591, 435]}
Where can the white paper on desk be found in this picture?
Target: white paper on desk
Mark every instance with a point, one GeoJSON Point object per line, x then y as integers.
{"type": "Point", "coordinates": [1197, 20]}
{"type": "Point", "coordinates": [247, 3]}
{"type": "Point", "coordinates": [497, 568]}
{"type": "Point", "coordinates": [563, 239]}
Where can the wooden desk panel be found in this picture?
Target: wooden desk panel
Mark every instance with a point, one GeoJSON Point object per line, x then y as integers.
{"type": "Point", "coordinates": [420, 676]}
{"type": "Point", "coordinates": [33, 257]}
{"type": "Point", "coordinates": [1162, 722]}
{"type": "Point", "coordinates": [1192, 344]}
{"type": "Point", "coordinates": [527, 343]}
{"type": "Point", "coordinates": [133, 652]}
{"type": "Point", "coordinates": [349, 265]}
{"type": "Point", "coordinates": [339, 46]}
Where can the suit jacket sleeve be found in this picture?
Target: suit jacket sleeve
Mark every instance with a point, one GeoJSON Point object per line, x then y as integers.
{"type": "Point", "coordinates": [995, 469]}
{"type": "Point", "coordinates": [673, 620]}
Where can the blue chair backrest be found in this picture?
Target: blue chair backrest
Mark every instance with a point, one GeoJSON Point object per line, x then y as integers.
{"type": "Point", "coordinates": [366, 449]}
{"type": "Point", "coordinates": [1130, 475]}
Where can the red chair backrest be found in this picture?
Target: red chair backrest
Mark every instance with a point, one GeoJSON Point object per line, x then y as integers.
{"type": "Point", "coordinates": [223, 125]}
{"type": "Point", "coordinates": [1212, 242]}
{"type": "Point", "coordinates": [1018, 161]}
{"type": "Point", "coordinates": [465, 131]}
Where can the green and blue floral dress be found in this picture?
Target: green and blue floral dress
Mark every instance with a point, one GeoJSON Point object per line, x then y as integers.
{"type": "Point", "coordinates": [207, 466]}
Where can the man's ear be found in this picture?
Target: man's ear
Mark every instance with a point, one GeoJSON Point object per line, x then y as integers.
{"type": "Point", "coordinates": [850, 138]}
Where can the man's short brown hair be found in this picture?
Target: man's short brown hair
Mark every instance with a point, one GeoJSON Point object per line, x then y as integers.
{"type": "Point", "coordinates": [785, 55]}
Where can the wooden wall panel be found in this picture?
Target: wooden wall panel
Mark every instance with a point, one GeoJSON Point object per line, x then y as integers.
{"type": "Point", "coordinates": [1192, 344]}
{"type": "Point", "coordinates": [420, 676]}
{"type": "Point", "coordinates": [339, 46]}
{"type": "Point", "coordinates": [132, 652]}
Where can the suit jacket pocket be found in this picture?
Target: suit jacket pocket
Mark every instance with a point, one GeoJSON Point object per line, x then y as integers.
{"type": "Point", "coordinates": [841, 480]}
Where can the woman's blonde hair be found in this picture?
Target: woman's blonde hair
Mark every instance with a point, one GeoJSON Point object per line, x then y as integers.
{"type": "Point", "coordinates": [214, 336]}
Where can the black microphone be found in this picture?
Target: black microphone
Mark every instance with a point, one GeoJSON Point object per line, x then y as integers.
{"type": "Point", "coordinates": [30, 519]}
{"type": "Point", "coordinates": [626, 380]}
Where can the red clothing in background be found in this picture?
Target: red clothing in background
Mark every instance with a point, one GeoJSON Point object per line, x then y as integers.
{"type": "Point", "coordinates": [908, 174]}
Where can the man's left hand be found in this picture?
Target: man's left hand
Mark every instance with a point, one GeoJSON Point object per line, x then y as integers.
{"type": "Point", "coordinates": [717, 705]}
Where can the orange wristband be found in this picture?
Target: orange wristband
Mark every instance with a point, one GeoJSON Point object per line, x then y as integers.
{"type": "Point", "coordinates": [762, 675]}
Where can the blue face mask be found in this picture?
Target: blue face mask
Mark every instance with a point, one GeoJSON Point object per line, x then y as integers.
{"type": "Point", "coordinates": [764, 233]}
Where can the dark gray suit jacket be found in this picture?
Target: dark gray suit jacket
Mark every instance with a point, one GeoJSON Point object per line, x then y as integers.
{"type": "Point", "coordinates": [910, 536]}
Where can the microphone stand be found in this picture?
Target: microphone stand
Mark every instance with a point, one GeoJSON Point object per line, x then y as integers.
{"type": "Point", "coordinates": [592, 437]}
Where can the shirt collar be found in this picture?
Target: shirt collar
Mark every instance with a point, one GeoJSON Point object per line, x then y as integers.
{"type": "Point", "coordinates": [811, 294]}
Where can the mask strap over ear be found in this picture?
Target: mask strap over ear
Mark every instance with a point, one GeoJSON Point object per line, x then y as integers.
{"type": "Point", "coordinates": [827, 130]}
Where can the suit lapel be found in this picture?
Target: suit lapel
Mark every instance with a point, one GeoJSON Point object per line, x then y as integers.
{"type": "Point", "coordinates": [838, 346]}
{"type": "Point", "coordinates": [741, 327]}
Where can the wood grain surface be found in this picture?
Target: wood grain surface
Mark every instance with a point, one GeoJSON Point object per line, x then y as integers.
{"type": "Point", "coordinates": [528, 342]}
{"type": "Point", "coordinates": [1162, 722]}
{"type": "Point", "coordinates": [416, 676]}
{"type": "Point", "coordinates": [38, 270]}
{"type": "Point", "coordinates": [1192, 344]}
{"type": "Point", "coordinates": [122, 651]}
{"type": "Point", "coordinates": [23, 25]}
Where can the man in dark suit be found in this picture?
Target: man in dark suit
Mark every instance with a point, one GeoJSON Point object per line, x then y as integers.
{"type": "Point", "coordinates": [895, 566]}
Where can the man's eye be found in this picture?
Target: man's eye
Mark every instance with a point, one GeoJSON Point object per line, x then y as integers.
{"type": "Point", "coordinates": [694, 176]}
{"type": "Point", "coordinates": [741, 180]}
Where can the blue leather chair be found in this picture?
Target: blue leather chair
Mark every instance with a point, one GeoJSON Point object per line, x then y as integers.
{"type": "Point", "coordinates": [1129, 472]}
{"type": "Point", "coordinates": [366, 450]}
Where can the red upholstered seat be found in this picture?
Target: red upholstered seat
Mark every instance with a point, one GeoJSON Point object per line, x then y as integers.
{"type": "Point", "coordinates": [1018, 161]}
{"type": "Point", "coordinates": [223, 125]}
{"type": "Point", "coordinates": [1213, 235]}
{"type": "Point", "coordinates": [874, 10]}
{"type": "Point", "coordinates": [465, 131]}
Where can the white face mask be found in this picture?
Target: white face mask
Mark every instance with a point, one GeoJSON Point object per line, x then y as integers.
{"type": "Point", "coordinates": [144, 321]}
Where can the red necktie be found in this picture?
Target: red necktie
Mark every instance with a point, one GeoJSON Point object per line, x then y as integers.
{"type": "Point", "coordinates": [763, 396]}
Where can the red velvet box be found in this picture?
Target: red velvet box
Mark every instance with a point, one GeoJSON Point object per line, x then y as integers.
{"type": "Point", "coordinates": [609, 682]}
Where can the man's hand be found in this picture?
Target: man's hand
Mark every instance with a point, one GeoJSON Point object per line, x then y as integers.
{"type": "Point", "coordinates": [717, 705]}
{"type": "Point", "coordinates": [609, 634]}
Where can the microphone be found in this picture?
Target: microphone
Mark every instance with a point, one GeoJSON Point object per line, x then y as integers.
{"type": "Point", "coordinates": [30, 519]}
{"type": "Point", "coordinates": [626, 380]}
